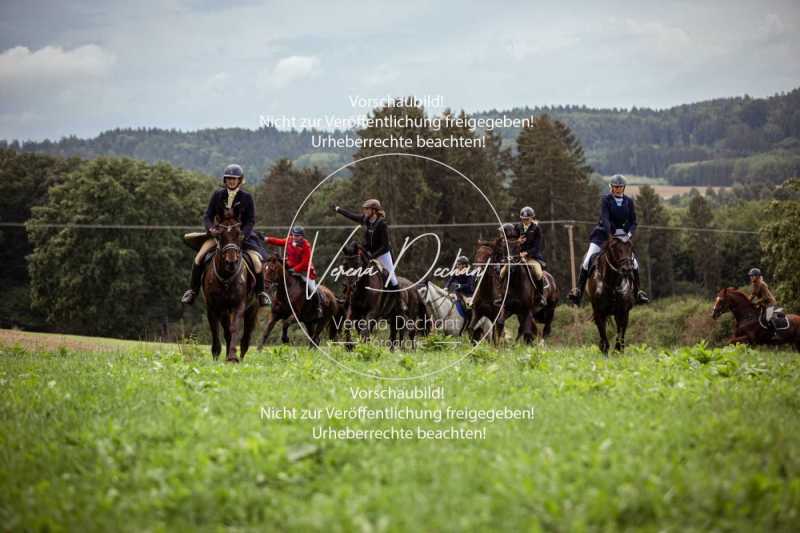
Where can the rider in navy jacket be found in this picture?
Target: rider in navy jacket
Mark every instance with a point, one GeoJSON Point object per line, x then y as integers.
{"type": "Point", "coordinates": [230, 196]}
{"type": "Point", "coordinates": [614, 217]}
{"type": "Point", "coordinates": [617, 212]}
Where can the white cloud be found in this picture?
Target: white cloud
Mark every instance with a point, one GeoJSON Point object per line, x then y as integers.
{"type": "Point", "coordinates": [293, 68]}
{"type": "Point", "coordinates": [53, 63]}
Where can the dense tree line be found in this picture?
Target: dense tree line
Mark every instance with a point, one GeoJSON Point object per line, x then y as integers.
{"type": "Point", "coordinates": [126, 282]}
{"type": "Point", "coordinates": [206, 151]}
{"type": "Point", "coordinates": [717, 142]}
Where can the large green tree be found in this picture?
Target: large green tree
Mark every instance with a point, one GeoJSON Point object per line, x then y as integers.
{"type": "Point", "coordinates": [780, 241]}
{"type": "Point", "coordinates": [279, 195]}
{"type": "Point", "coordinates": [703, 245]}
{"type": "Point", "coordinates": [114, 280]}
{"type": "Point", "coordinates": [551, 175]}
{"type": "Point", "coordinates": [654, 246]}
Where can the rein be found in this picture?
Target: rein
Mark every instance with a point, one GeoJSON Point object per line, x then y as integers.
{"type": "Point", "coordinates": [227, 281]}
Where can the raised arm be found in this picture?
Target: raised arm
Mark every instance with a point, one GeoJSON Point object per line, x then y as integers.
{"type": "Point", "coordinates": [275, 241]}
{"type": "Point", "coordinates": [355, 217]}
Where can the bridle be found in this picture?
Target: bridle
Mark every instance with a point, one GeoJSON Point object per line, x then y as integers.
{"type": "Point", "coordinates": [436, 299]}
{"type": "Point", "coordinates": [226, 281]}
{"type": "Point", "coordinates": [625, 260]}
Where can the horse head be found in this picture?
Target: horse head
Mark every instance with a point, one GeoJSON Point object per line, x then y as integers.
{"type": "Point", "coordinates": [229, 240]}
{"type": "Point", "coordinates": [619, 255]}
{"type": "Point", "coordinates": [354, 256]}
{"type": "Point", "coordinates": [730, 299]}
{"type": "Point", "coordinates": [273, 269]}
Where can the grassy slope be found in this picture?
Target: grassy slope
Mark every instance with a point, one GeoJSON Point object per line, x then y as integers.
{"type": "Point", "coordinates": [692, 438]}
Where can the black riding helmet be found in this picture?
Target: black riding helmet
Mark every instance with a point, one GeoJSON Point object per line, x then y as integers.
{"type": "Point", "coordinates": [233, 171]}
{"type": "Point", "coordinates": [462, 260]}
{"type": "Point", "coordinates": [754, 272]}
{"type": "Point", "coordinates": [298, 230]}
{"type": "Point", "coordinates": [527, 212]}
{"type": "Point", "coordinates": [508, 230]}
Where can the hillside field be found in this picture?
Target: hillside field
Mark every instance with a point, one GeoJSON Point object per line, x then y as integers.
{"type": "Point", "coordinates": [160, 437]}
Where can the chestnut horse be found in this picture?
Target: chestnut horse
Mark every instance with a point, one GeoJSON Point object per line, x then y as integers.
{"type": "Point", "coordinates": [610, 289]}
{"type": "Point", "coordinates": [229, 291]}
{"type": "Point", "coordinates": [748, 328]}
{"type": "Point", "coordinates": [293, 290]}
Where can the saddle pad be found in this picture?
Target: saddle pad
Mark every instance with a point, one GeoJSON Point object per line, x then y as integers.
{"type": "Point", "coordinates": [195, 240]}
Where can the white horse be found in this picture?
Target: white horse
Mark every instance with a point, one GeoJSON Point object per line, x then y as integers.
{"type": "Point", "coordinates": [442, 308]}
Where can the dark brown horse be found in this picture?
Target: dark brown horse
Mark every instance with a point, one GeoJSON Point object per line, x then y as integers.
{"type": "Point", "coordinates": [228, 289]}
{"type": "Point", "coordinates": [367, 304]}
{"type": "Point", "coordinates": [610, 289]}
{"type": "Point", "coordinates": [488, 290]}
{"type": "Point", "coordinates": [749, 327]}
{"type": "Point", "coordinates": [523, 298]}
{"type": "Point", "coordinates": [293, 290]}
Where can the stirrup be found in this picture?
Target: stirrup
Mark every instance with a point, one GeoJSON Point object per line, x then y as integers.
{"type": "Point", "coordinates": [642, 298]}
{"type": "Point", "coordinates": [188, 297]}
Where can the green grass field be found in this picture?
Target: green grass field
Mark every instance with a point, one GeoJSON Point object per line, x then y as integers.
{"type": "Point", "coordinates": [692, 438]}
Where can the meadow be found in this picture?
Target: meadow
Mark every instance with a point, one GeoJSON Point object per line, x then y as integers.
{"type": "Point", "coordinates": [161, 438]}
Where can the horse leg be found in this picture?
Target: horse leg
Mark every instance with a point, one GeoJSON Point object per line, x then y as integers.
{"type": "Point", "coordinates": [213, 322]}
{"type": "Point", "coordinates": [534, 331]}
{"type": "Point", "coordinates": [548, 321]}
{"type": "Point", "coordinates": [622, 324]}
{"type": "Point", "coordinates": [249, 325]}
{"type": "Point", "coordinates": [392, 334]}
{"type": "Point", "coordinates": [600, 322]}
{"type": "Point", "coordinates": [271, 324]}
{"type": "Point", "coordinates": [225, 320]}
{"type": "Point", "coordinates": [285, 331]}
{"type": "Point", "coordinates": [236, 320]}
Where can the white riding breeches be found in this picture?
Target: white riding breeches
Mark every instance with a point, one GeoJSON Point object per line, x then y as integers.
{"type": "Point", "coordinates": [388, 264]}
{"type": "Point", "coordinates": [311, 286]}
{"type": "Point", "coordinates": [593, 249]}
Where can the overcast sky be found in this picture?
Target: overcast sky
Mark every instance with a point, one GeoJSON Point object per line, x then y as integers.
{"type": "Point", "coordinates": [79, 67]}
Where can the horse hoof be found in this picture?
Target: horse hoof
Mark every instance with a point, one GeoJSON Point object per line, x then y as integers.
{"type": "Point", "coordinates": [231, 360]}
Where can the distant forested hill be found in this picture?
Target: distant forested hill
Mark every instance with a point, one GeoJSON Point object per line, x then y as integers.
{"type": "Point", "coordinates": [707, 143]}
{"type": "Point", "coordinates": [207, 150]}
{"type": "Point", "coordinates": [717, 142]}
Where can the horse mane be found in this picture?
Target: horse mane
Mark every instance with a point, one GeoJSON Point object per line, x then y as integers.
{"type": "Point", "coordinates": [734, 292]}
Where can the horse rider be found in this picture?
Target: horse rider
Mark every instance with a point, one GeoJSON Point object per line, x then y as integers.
{"type": "Point", "coordinates": [762, 298]}
{"type": "Point", "coordinates": [529, 233]}
{"type": "Point", "coordinates": [230, 196]}
{"type": "Point", "coordinates": [298, 261]}
{"type": "Point", "coordinates": [376, 237]}
{"type": "Point", "coordinates": [617, 212]}
{"type": "Point", "coordinates": [461, 283]}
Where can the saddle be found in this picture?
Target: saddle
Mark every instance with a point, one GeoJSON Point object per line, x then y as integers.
{"type": "Point", "coordinates": [778, 320]}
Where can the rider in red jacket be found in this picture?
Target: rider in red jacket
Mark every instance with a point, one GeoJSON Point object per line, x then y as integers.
{"type": "Point", "coordinates": [298, 258]}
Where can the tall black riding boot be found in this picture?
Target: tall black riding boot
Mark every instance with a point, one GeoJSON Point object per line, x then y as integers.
{"type": "Point", "coordinates": [641, 296]}
{"type": "Point", "coordinates": [191, 294]}
{"type": "Point", "coordinates": [540, 288]}
{"type": "Point", "coordinates": [261, 294]}
{"type": "Point", "coordinates": [577, 293]}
